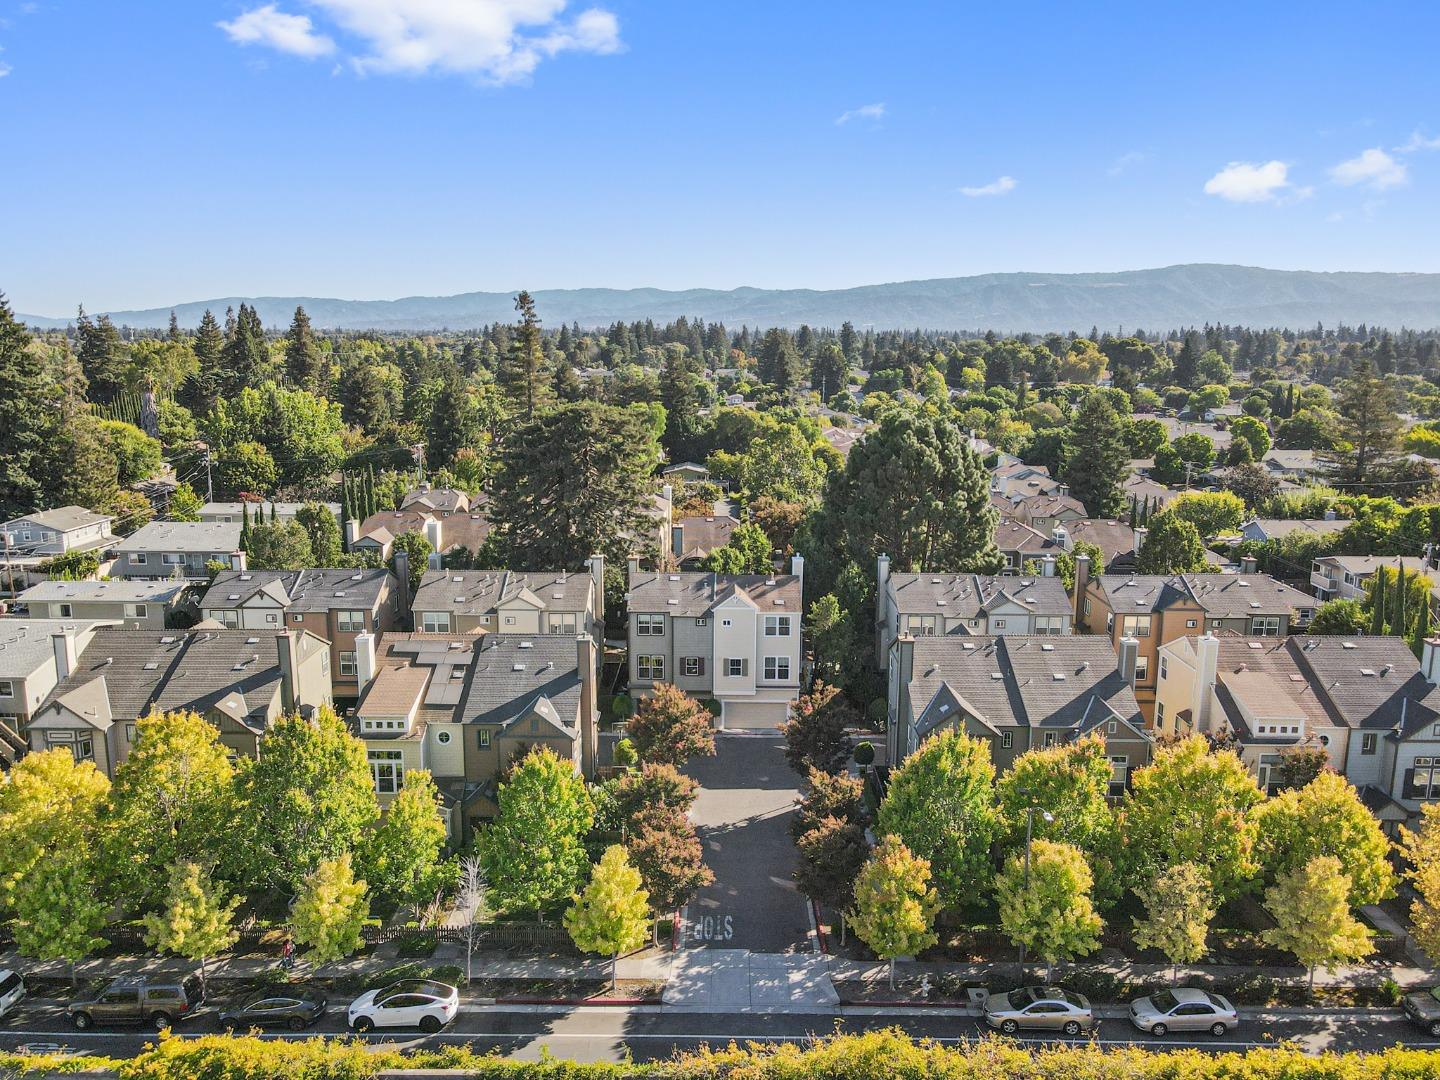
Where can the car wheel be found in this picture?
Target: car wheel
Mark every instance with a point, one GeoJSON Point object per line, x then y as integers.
{"type": "Point", "coordinates": [363, 1024]}
{"type": "Point", "coordinates": [1072, 1027]}
{"type": "Point", "coordinates": [297, 1023]}
{"type": "Point", "coordinates": [430, 1024]}
{"type": "Point", "coordinates": [1435, 1028]}
{"type": "Point", "coordinates": [1159, 1031]}
{"type": "Point", "coordinates": [1009, 1027]}
{"type": "Point", "coordinates": [81, 1021]}
{"type": "Point", "coordinates": [1217, 1029]}
{"type": "Point", "coordinates": [160, 1022]}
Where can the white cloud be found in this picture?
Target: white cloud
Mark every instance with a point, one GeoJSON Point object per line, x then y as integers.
{"type": "Point", "coordinates": [1124, 161]}
{"type": "Point", "coordinates": [1001, 186]}
{"type": "Point", "coordinates": [1418, 141]}
{"type": "Point", "coordinates": [1244, 181]}
{"type": "Point", "coordinates": [1374, 168]}
{"type": "Point", "coordinates": [269, 26]}
{"type": "Point", "coordinates": [864, 112]}
{"type": "Point", "coordinates": [5, 69]}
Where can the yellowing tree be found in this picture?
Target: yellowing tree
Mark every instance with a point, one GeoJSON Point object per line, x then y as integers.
{"type": "Point", "coordinates": [895, 906]}
{"type": "Point", "coordinates": [1311, 907]}
{"type": "Point", "coordinates": [612, 914]}
{"type": "Point", "coordinates": [1051, 913]}
{"type": "Point", "coordinates": [49, 803]}
{"type": "Point", "coordinates": [330, 911]}
{"type": "Point", "coordinates": [197, 921]}
{"type": "Point", "coordinates": [1178, 908]}
{"type": "Point", "coordinates": [1422, 850]}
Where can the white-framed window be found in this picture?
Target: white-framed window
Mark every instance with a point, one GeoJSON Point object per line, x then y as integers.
{"type": "Point", "coordinates": [1109, 622]}
{"type": "Point", "coordinates": [228, 617]}
{"type": "Point", "coordinates": [80, 744]}
{"type": "Point", "coordinates": [650, 667]}
{"type": "Point", "coordinates": [348, 665]}
{"type": "Point", "coordinates": [563, 622]}
{"type": "Point", "coordinates": [1119, 770]}
{"type": "Point", "coordinates": [435, 622]}
{"type": "Point", "coordinates": [1265, 625]}
{"type": "Point", "coordinates": [1136, 626]}
{"type": "Point", "coordinates": [1050, 738]}
{"type": "Point", "coordinates": [272, 617]}
{"type": "Point", "coordinates": [1007, 740]}
{"type": "Point", "coordinates": [777, 667]}
{"type": "Point", "coordinates": [388, 769]}
{"type": "Point", "coordinates": [351, 622]}
{"type": "Point", "coordinates": [1111, 726]}
{"type": "Point", "coordinates": [172, 558]}
{"type": "Point", "coordinates": [136, 611]}
{"type": "Point", "coordinates": [1049, 624]}
{"type": "Point", "coordinates": [693, 666]}
{"type": "Point", "coordinates": [1087, 605]}
{"type": "Point", "coordinates": [138, 558]}
{"type": "Point", "coordinates": [724, 622]}
{"type": "Point", "coordinates": [130, 733]}
{"type": "Point", "coordinates": [67, 611]}
{"type": "Point", "coordinates": [1191, 624]}
{"type": "Point", "coordinates": [915, 625]}
{"type": "Point", "coordinates": [777, 625]}
{"type": "Point", "coordinates": [650, 625]}
{"type": "Point", "coordinates": [7, 688]}
{"type": "Point", "coordinates": [1427, 778]}
{"type": "Point", "coordinates": [443, 738]}
{"type": "Point", "coordinates": [998, 624]}
{"type": "Point", "coordinates": [482, 738]}
{"type": "Point", "coordinates": [509, 620]}
{"type": "Point", "coordinates": [325, 662]}
{"type": "Point", "coordinates": [297, 618]}
{"type": "Point", "coordinates": [1159, 714]}
{"type": "Point", "coordinates": [737, 667]}
{"type": "Point", "coordinates": [1142, 668]}
{"type": "Point", "coordinates": [1216, 624]}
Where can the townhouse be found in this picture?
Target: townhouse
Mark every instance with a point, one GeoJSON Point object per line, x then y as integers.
{"type": "Point", "coordinates": [1372, 707]}
{"type": "Point", "coordinates": [731, 638]}
{"type": "Point", "coordinates": [1020, 544]}
{"type": "Point", "coordinates": [280, 511]}
{"type": "Point", "coordinates": [692, 539]}
{"type": "Point", "coordinates": [512, 601]}
{"type": "Point", "coordinates": [332, 605]}
{"type": "Point", "coordinates": [448, 531]}
{"type": "Point", "coordinates": [1014, 481]}
{"type": "Point", "coordinates": [35, 654]}
{"type": "Point", "coordinates": [1157, 608]}
{"type": "Point", "coordinates": [464, 708]}
{"type": "Point", "coordinates": [931, 605]}
{"type": "Point", "coordinates": [1344, 577]}
{"type": "Point", "coordinates": [239, 680]}
{"type": "Point", "coordinates": [132, 602]}
{"type": "Point", "coordinates": [179, 549]}
{"type": "Point", "coordinates": [1044, 512]}
{"type": "Point", "coordinates": [1017, 694]}
{"type": "Point", "coordinates": [1263, 529]}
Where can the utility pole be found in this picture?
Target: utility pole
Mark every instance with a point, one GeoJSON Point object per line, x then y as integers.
{"type": "Point", "coordinates": [209, 477]}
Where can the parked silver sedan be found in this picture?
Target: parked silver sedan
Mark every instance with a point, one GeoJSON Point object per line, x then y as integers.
{"type": "Point", "coordinates": [1046, 1007]}
{"type": "Point", "coordinates": [1183, 1009]}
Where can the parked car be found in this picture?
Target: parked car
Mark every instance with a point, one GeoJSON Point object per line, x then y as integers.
{"type": "Point", "coordinates": [1423, 1007]}
{"type": "Point", "coordinates": [12, 991]}
{"type": "Point", "coordinates": [157, 1002]}
{"type": "Point", "coordinates": [419, 1003]}
{"type": "Point", "coordinates": [1183, 1009]}
{"type": "Point", "coordinates": [1047, 1007]}
{"type": "Point", "coordinates": [295, 1009]}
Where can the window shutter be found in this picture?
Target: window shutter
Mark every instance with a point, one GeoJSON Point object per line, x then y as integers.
{"type": "Point", "coordinates": [1407, 785]}
{"type": "Point", "coordinates": [745, 666]}
{"type": "Point", "coordinates": [702, 665]}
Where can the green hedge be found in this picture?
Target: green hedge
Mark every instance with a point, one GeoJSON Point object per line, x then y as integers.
{"type": "Point", "coordinates": [873, 1056]}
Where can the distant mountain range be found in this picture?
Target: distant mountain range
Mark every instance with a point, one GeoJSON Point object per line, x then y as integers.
{"type": "Point", "coordinates": [1162, 299]}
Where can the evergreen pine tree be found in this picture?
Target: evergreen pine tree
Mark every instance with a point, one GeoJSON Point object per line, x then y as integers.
{"type": "Point", "coordinates": [1101, 461]}
{"type": "Point", "coordinates": [27, 425]}
{"type": "Point", "coordinates": [1377, 604]}
{"type": "Point", "coordinates": [305, 364]}
{"type": "Point", "coordinates": [524, 374]}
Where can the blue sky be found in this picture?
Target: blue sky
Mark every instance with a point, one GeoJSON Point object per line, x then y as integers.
{"type": "Point", "coordinates": [174, 150]}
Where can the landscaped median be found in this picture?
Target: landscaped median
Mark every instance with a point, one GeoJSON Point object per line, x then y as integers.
{"type": "Point", "coordinates": [872, 1056]}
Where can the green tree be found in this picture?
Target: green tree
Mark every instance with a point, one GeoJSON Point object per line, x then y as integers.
{"type": "Point", "coordinates": [197, 921]}
{"type": "Point", "coordinates": [88, 476]}
{"type": "Point", "coordinates": [1178, 909]}
{"type": "Point", "coordinates": [417, 549]}
{"type": "Point", "coordinates": [1339, 618]}
{"type": "Point", "coordinates": [747, 552]}
{"type": "Point", "coordinates": [306, 365]}
{"type": "Point", "coordinates": [1251, 483]}
{"type": "Point", "coordinates": [330, 911]}
{"type": "Point", "coordinates": [402, 855]}
{"type": "Point", "coordinates": [815, 733]}
{"type": "Point", "coordinates": [59, 912]}
{"type": "Point", "coordinates": [832, 853]}
{"type": "Point", "coordinates": [838, 795]}
{"type": "Point", "coordinates": [1421, 848]}
{"type": "Point", "coordinates": [1184, 460]}
{"type": "Point", "coordinates": [301, 432]}
{"type": "Point", "coordinates": [650, 789]}
{"type": "Point", "coordinates": [1192, 805]}
{"type": "Point", "coordinates": [1101, 464]}
{"type": "Point", "coordinates": [1367, 430]}
{"type": "Point", "coordinates": [184, 505]}
{"type": "Point", "coordinates": [173, 802]}
{"type": "Point", "coordinates": [895, 906]}
{"type": "Point", "coordinates": [49, 803]}
{"type": "Point", "coordinates": [245, 358]}
{"type": "Point", "coordinates": [323, 529]}
{"type": "Point", "coordinates": [309, 798]}
{"type": "Point", "coordinates": [278, 545]}
{"type": "Point", "coordinates": [534, 852]}
{"type": "Point", "coordinates": [611, 915]}
{"type": "Point", "coordinates": [666, 850]}
{"type": "Point", "coordinates": [1144, 436]}
{"type": "Point", "coordinates": [1045, 907]}
{"type": "Point", "coordinates": [670, 727]}
{"type": "Point", "coordinates": [523, 373]}
{"type": "Point", "coordinates": [1311, 909]}
{"type": "Point", "coordinates": [939, 804]}
{"type": "Point", "coordinates": [1172, 546]}
{"type": "Point", "coordinates": [574, 481]}
{"type": "Point", "coordinates": [1211, 512]}
{"type": "Point", "coordinates": [1252, 431]}
{"type": "Point", "coordinates": [137, 455]}
{"type": "Point", "coordinates": [26, 419]}
{"type": "Point", "coordinates": [103, 357]}
{"type": "Point", "coordinates": [246, 468]}
{"type": "Point", "coordinates": [779, 364]}
{"type": "Point", "coordinates": [1325, 817]}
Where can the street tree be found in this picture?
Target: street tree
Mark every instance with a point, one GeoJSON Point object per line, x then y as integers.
{"type": "Point", "coordinates": [1171, 546]}
{"type": "Point", "coordinates": [610, 916]}
{"type": "Point", "coordinates": [49, 804]}
{"type": "Point", "coordinates": [1045, 902]}
{"type": "Point", "coordinates": [471, 905]}
{"type": "Point", "coordinates": [654, 787]}
{"type": "Point", "coordinates": [1178, 909]}
{"type": "Point", "coordinates": [895, 907]}
{"type": "Point", "coordinates": [815, 733]}
{"type": "Point", "coordinates": [828, 795]}
{"type": "Point", "coordinates": [670, 727]}
{"type": "Point", "coordinates": [832, 854]}
{"type": "Point", "coordinates": [401, 856]}
{"type": "Point", "coordinates": [1325, 817]}
{"type": "Point", "coordinates": [534, 852]}
{"type": "Point", "coordinates": [329, 911]}
{"type": "Point", "coordinates": [59, 912]}
{"type": "Point", "coordinates": [939, 804]}
{"type": "Point", "coordinates": [1311, 908]}
{"type": "Point", "coordinates": [1421, 848]}
{"type": "Point", "coordinates": [197, 921]}
{"type": "Point", "coordinates": [665, 848]}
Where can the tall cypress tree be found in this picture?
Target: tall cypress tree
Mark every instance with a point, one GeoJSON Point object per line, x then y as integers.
{"type": "Point", "coordinates": [103, 357]}
{"type": "Point", "coordinates": [27, 426]}
{"type": "Point", "coordinates": [524, 374]}
{"type": "Point", "coordinates": [1377, 604]}
{"type": "Point", "coordinates": [305, 364]}
{"type": "Point", "coordinates": [245, 355]}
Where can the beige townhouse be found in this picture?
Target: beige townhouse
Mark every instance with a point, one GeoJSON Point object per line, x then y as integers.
{"type": "Point", "coordinates": [512, 601]}
{"type": "Point", "coordinates": [130, 602]}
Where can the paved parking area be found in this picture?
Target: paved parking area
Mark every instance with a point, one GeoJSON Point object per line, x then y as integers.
{"type": "Point", "coordinates": [747, 796]}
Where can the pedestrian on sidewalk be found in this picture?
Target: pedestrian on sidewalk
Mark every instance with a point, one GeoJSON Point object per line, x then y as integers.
{"type": "Point", "coordinates": [287, 955]}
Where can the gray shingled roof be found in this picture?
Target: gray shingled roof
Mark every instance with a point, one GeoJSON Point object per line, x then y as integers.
{"type": "Point", "coordinates": [702, 535]}
{"type": "Point", "coordinates": [65, 518]}
{"type": "Point", "coordinates": [965, 596]}
{"type": "Point", "coordinates": [25, 643]}
{"type": "Point", "coordinates": [300, 590]}
{"type": "Point", "coordinates": [477, 592]}
{"type": "Point", "coordinates": [1380, 700]}
{"type": "Point", "coordinates": [184, 536]}
{"type": "Point", "coordinates": [121, 590]}
{"type": "Point", "coordinates": [512, 673]}
{"type": "Point", "coordinates": [695, 593]}
{"type": "Point", "coordinates": [1223, 596]}
{"type": "Point", "coordinates": [460, 529]}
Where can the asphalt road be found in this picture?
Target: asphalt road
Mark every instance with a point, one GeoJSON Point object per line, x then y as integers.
{"type": "Point", "coordinates": [647, 1033]}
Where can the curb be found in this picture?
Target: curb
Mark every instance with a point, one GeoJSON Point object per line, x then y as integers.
{"type": "Point", "coordinates": [621, 1002]}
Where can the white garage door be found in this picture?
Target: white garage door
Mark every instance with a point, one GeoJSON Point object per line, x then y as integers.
{"type": "Point", "coordinates": [754, 715]}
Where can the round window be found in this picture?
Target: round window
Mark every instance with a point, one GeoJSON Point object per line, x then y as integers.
{"type": "Point", "coordinates": [442, 737]}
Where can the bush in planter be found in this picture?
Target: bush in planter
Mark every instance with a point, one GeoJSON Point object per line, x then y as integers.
{"type": "Point", "coordinates": [864, 754]}
{"type": "Point", "coordinates": [712, 706]}
{"type": "Point", "coordinates": [623, 707]}
{"type": "Point", "coordinates": [625, 754]}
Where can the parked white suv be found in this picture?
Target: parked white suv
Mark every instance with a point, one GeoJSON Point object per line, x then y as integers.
{"type": "Point", "coordinates": [410, 1003]}
{"type": "Point", "coordinates": [12, 991]}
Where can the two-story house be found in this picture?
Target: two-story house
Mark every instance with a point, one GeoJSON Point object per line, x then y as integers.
{"type": "Point", "coordinates": [930, 605]}
{"type": "Point", "coordinates": [447, 530]}
{"type": "Point", "coordinates": [1366, 701]}
{"type": "Point", "coordinates": [1044, 512]}
{"type": "Point", "coordinates": [280, 511]}
{"type": "Point", "coordinates": [1345, 577]}
{"type": "Point", "coordinates": [1016, 693]}
{"type": "Point", "coordinates": [239, 680]}
{"type": "Point", "coordinates": [130, 602]}
{"type": "Point", "coordinates": [692, 539]}
{"type": "Point", "coordinates": [1020, 544]}
{"type": "Point", "coordinates": [58, 531]}
{"type": "Point", "coordinates": [1157, 608]}
{"type": "Point", "coordinates": [178, 549]}
{"type": "Point", "coordinates": [35, 654]}
{"type": "Point", "coordinates": [512, 601]}
{"type": "Point", "coordinates": [731, 638]}
{"type": "Point", "coordinates": [333, 605]}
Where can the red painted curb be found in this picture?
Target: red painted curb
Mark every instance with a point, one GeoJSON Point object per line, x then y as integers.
{"type": "Point", "coordinates": [575, 1001]}
{"type": "Point", "coordinates": [907, 1004]}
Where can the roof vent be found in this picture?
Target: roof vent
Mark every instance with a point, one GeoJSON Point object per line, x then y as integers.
{"type": "Point", "coordinates": [252, 641]}
{"type": "Point", "coordinates": [1255, 645]}
{"type": "Point", "coordinates": [459, 599]}
{"type": "Point", "coordinates": [151, 666]}
{"type": "Point", "coordinates": [672, 600]}
{"type": "Point", "coordinates": [517, 667]}
{"type": "Point", "coordinates": [247, 577]}
{"type": "Point", "coordinates": [527, 644]}
{"type": "Point", "coordinates": [967, 645]}
{"type": "Point", "coordinates": [1348, 645]}
{"type": "Point", "coordinates": [457, 579]}
{"type": "Point", "coordinates": [996, 675]}
{"type": "Point", "coordinates": [778, 602]}
{"type": "Point", "coordinates": [674, 577]}
{"type": "Point", "coordinates": [356, 577]}
{"type": "Point", "coordinates": [1368, 671]}
{"type": "Point", "coordinates": [169, 640]}
{"type": "Point", "coordinates": [1046, 648]}
{"type": "Point", "coordinates": [233, 596]}
{"type": "Point", "coordinates": [1058, 676]}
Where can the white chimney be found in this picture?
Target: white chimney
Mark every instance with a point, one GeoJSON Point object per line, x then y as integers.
{"type": "Point", "coordinates": [597, 575]}
{"type": "Point", "coordinates": [1249, 564]}
{"type": "Point", "coordinates": [1047, 566]}
{"type": "Point", "coordinates": [633, 564]}
{"type": "Point", "coordinates": [63, 642]}
{"type": "Point", "coordinates": [352, 532]}
{"type": "Point", "coordinates": [432, 533]}
{"type": "Point", "coordinates": [1430, 660]}
{"type": "Point", "coordinates": [364, 660]}
{"type": "Point", "coordinates": [668, 493]}
{"type": "Point", "coordinates": [1129, 651]}
{"type": "Point", "coordinates": [1082, 582]}
{"type": "Point", "coordinates": [1207, 657]}
{"type": "Point", "coordinates": [1138, 537]}
{"type": "Point", "coordinates": [797, 567]}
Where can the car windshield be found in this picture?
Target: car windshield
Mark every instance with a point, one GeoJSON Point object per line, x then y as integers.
{"type": "Point", "coordinates": [1164, 1001]}
{"type": "Point", "coordinates": [1073, 999]}
{"type": "Point", "coordinates": [1435, 992]}
{"type": "Point", "coordinates": [10, 982]}
{"type": "Point", "coordinates": [1025, 995]}
{"type": "Point", "coordinates": [192, 987]}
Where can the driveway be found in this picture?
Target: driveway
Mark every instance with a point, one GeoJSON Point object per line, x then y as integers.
{"type": "Point", "coordinates": [747, 795]}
